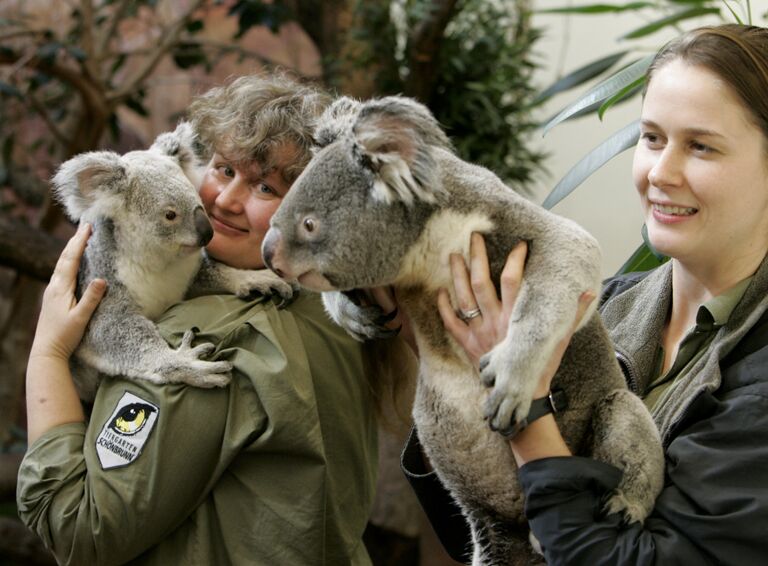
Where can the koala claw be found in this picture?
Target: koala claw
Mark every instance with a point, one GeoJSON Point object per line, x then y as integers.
{"type": "Point", "coordinates": [509, 400]}
{"type": "Point", "coordinates": [263, 283]}
{"type": "Point", "coordinates": [187, 367]}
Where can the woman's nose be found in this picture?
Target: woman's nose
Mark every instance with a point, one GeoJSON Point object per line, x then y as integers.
{"type": "Point", "coordinates": [668, 169]}
{"type": "Point", "coordinates": [232, 196]}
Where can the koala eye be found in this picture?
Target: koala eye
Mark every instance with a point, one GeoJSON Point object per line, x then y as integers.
{"type": "Point", "coordinates": [170, 215]}
{"type": "Point", "coordinates": [309, 224]}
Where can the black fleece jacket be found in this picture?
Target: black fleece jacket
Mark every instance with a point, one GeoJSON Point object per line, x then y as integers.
{"type": "Point", "coordinates": [714, 505]}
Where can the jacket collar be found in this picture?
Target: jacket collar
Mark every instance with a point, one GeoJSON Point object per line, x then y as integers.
{"type": "Point", "coordinates": [635, 320]}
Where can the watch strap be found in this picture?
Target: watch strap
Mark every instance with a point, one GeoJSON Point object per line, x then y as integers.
{"type": "Point", "coordinates": [555, 402]}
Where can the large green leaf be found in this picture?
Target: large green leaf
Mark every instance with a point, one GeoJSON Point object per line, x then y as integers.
{"type": "Point", "coordinates": [670, 20]}
{"type": "Point", "coordinates": [627, 92]}
{"type": "Point", "coordinates": [580, 75]}
{"type": "Point", "coordinates": [643, 259]}
{"type": "Point", "coordinates": [618, 142]}
{"type": "Point", "coordinates": [603, 91]}
{"type": "Point", "coordinates": [597, 8]}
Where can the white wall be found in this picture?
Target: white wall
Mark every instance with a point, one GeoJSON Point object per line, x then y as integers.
{"type": "Point", "coordinates": [606, 204]}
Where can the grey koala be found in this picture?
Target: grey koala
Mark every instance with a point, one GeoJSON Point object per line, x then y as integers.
{"type": "Point", "coordinates": [149, 228]}
{"type": "Point", "coordinates": [384, 201]}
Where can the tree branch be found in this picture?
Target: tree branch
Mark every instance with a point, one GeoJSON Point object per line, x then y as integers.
{"type": "Point", "coordinates": [111, 25]}
{"type": "Point", "coordinates": [424, 47]}
{"type": "Point", "coordinates": [91, 65]}
{"type": "Point", "coordinates": [70, 76]}
{"type": "Point", "coordinates": [169, 38]}
{"type": "Point", "coordinates": [27, 249]}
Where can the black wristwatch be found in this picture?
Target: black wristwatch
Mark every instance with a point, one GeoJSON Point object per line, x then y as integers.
{"type": "Point", "coordinates": [555, 402]}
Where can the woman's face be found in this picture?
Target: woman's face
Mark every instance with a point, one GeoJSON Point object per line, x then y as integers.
{"type": "Point", "coordinates": [240, 198]}
{"type": "Point", "coordinates": [700, 168]}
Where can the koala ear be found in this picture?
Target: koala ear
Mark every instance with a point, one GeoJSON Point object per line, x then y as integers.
{"type": "Point", "coordinates": [183, 145]}
{"type": "Point", "coordinates": [90, 181]}
{"type": "Point", "coordinates": [338, 118]}
{"type": "Point", "coordinates": [395, 137]}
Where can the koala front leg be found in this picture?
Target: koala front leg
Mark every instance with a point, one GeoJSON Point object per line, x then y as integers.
{"type": "Point", "coordinates": [216, 277]}
{"type": "Point", "coordinates": [360, 321]}
{"type": "Point", "coordinates": [543, 314]}
{"type": "Point", "coordinates": [120, 341]}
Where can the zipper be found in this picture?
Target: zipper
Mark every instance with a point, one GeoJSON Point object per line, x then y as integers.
{"type": "Point", "coordinates": [629, 372]}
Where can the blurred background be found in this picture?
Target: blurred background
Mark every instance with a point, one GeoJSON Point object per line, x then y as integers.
{"type": "Point", "coordinates": [78, 75]}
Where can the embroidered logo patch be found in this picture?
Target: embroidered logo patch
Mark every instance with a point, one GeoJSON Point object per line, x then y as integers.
{"type": "Point", "coordinates": [123, 436]}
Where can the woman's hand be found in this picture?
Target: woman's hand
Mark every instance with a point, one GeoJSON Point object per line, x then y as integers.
{"type": "Point", "coordinates": [51, 396]}
{"type": "Point", "coordinates": [63, 318]}
{"type": "Point", "coordinates": [385, 298]}
{"type": "Point", "coordinates": [476, 295]}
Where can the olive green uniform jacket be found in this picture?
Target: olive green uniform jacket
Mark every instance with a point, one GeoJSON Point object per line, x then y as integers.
{"type": "Point", "coordinates": [277, 468]}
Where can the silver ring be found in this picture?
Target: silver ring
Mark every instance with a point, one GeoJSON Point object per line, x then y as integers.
{"type": "Point", "coordinates": [469, 315]}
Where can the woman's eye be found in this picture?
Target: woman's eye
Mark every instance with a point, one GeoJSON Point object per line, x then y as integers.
{"type": "Point", "coordinates": [650, 138]}
{"type": "Point", "coordinates": [700, 147]}
{"type": "Point", "coordinates": [265, 189]}
{"type": "Point", "coordinates": [225, 170]}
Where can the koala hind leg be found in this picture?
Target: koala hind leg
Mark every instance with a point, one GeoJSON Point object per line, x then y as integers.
{"type": "Point", "coordinates": [626, 437]}
{"type": "Point", "coordinates": [497, 542]}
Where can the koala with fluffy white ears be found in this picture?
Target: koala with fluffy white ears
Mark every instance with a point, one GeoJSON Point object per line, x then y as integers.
{"type": "Point", "coordinates": [148, 233]}
{"type": "Point", "coordinates": [385, 201]}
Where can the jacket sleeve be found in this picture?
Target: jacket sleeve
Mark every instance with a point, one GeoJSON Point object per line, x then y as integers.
{"type": "Point", "coordinates": [713, 508]}
{"type": "Point", "coordinates": [92, 507]}
{"type": "Point", "coordinates": [443, 512]}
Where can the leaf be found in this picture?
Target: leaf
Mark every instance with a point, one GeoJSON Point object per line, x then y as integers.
{"type": "Point", "coordinates": [615, 144]}
{"type": "Point", "coordinates": [580, 75]}
{"type": "Point", "coordinates": [627, 92]}
{"type": "Point", "coordinates": [669, 20]}
{"type": "Point", "coordinates": [47, 52]}
{"type": "Point", "coordinates": [643, 259]}
{"type": "Point", "coordinates": [603, 91]}
{"type": "Point", "coordinates": [597, 8]}
{"type": "Point", "coordinates": [7, 89]}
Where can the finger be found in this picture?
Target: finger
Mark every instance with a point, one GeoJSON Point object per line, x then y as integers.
{"type": "Point", "coordinates": [465, 297]}
{"type": "Point", "coordinates": [91, 298]}
{"type": "Point", "coordinates": [385, 298]}
{"type": "Point", "coordinates": [585, 300]}
{"type": "Point", "coordinates": [453, 324]}
{"type": "Point", "coordinates": [512, 276]}
{"type": "Point", "coordinates": [69, 260]}
{"type": "Point", "coordinates": [480, 277]}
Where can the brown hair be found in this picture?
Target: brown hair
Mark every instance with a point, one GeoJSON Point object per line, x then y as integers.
{"type": "Point", "coordinates": [253, 116]}
{"type": "Point", "coordinates": [736, 53]}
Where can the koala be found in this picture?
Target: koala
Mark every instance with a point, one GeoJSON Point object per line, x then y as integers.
{"type": "Point", "coordinates": [384, 201]}
{"type": "Point", "coordinates": [149, 229]}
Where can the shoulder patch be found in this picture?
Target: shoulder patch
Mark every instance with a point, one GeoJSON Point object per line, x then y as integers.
{"type": "Point", "coordinates": [123, 436]}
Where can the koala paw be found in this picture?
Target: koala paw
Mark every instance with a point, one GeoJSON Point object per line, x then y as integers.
{"type": "Point", "coordinates": [360, 321]}
{"type": "Point", "coordinates": [186, 366]}
{"type": "Point", "coordinates": [263, 282]}
{"type": "Point", "coordinates": [512, 388]}
{"type": "Point", "coordinates": [631, 511]}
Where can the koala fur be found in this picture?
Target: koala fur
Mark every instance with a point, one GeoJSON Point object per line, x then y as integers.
{"type": "Point", "coordinates": [384, 201]}
{"type": "Point", "coordinates": [148, 232]}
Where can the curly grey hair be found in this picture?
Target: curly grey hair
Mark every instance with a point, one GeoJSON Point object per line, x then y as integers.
{"type": "Point", "coordinates": [254, 117]}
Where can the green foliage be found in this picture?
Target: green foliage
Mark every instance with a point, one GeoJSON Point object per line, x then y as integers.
{"type": "Point", "coordinates": [625, 83]}
{"type": "Point", "coordinates": [484, 94]}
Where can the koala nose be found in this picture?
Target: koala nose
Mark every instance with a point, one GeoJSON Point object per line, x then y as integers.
{"type": "Point", "coordinates": [202, 227]}
{"type": "Point", "coordinates": [268, 247]}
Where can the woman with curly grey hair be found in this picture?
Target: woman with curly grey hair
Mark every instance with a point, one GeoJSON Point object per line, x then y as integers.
{"type": "Point", "coordinates": [279, 467]}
